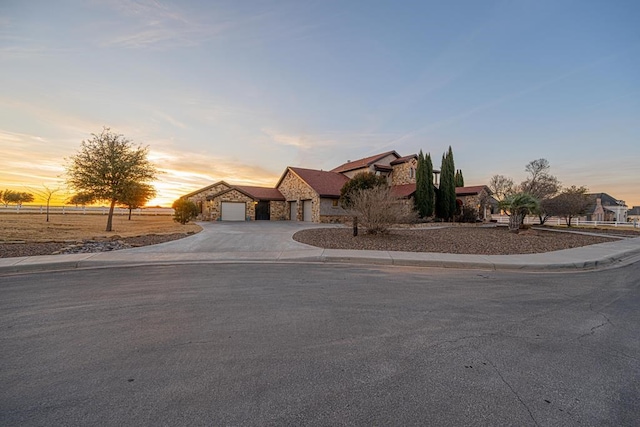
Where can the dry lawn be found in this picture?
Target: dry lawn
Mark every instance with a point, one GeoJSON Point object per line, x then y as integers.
{"type": "Point", "coordinates": [60, 228]}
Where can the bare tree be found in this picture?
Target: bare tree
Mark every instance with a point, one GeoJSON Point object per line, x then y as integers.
{"type": "Point", "coordinates": [501, 187]}
{"type": "Point", "coordinates": [376, 208]}
{"type": "Point", "coordinates": [540, 184]}
{"type": "Point", "coordinates": [46, 193]}
{"type": "Point", "coordinates": [572, 202]}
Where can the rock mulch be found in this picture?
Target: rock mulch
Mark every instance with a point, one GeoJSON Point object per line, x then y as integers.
{"type": "Point", "coordinates": [23, 249]}
{"type": "Point", "coordinates": [454, 240]}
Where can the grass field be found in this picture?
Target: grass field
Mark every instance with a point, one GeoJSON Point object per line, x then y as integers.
{"type": "Point", "coordinates": [34, 228]}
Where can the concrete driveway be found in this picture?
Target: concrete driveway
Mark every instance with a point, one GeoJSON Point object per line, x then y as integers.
{"type": "Point", "coordinates": [225, 237]}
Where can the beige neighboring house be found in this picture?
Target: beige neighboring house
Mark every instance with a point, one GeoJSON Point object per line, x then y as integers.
{"type": "Point", "coordinates": [304, 194]}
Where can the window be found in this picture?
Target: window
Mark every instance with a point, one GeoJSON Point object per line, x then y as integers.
{"type": "Point", "coordinates": [412, 172]}
{"type": "Point", "coordinates": [334, 203]}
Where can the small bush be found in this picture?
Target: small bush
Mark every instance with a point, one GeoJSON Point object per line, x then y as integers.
{"type": "Point", "coordinates": [184, 211]}
{"type": "Point", "coordinates": [376, 209]}
{"type": "Point", "coordinates": [469, 214]}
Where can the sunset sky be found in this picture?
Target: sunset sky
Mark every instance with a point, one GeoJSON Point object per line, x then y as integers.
{"type": "Point", "coordinates": [239, 90]}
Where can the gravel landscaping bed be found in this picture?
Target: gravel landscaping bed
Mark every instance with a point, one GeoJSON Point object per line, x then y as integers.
{"type": "Point", "coordinates": [8, 250]}
{"type": "Point", "coordinates": [454, 240]}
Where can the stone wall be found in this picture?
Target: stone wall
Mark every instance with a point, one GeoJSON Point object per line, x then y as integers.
{"type": "Point", "coordinates": [330, 212]}
{"type": "Point", "coordinates": [215, 205]}
{"type": "Point", "coordinates": [200, 199]}
{"type": "Point", "coordinates": [404, 173]}
{"type": "Point", "coordinates": [278, 210]}
{"type": "Point", "coordinates": [295, 189]}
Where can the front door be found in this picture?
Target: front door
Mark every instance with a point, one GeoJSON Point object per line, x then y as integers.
{"type": "Point", "coordinates": [262, 211]}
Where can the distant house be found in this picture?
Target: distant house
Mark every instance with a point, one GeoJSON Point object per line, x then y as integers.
{"type": "Point", "coordinates": [633, 214]}
{"type": "Point", "coordinates": [477, 197]}
{"type": "Point", "coordinates": [603, 207]}
{"type": "Point", "coordinates": [305, 194]}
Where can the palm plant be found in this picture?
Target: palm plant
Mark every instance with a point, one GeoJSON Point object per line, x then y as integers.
{"type": "Point", "coordinates": [517, 206]}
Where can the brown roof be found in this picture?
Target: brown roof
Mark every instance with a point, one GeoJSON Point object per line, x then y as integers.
{"type": "Point", "coordinates": [261, 193]}
{"type": "Point", "coordinates": [362, 163]}
{"type": "Point", "coordinates": [326, 184]}
{"type": "Point", "coordinates": [475, 189]}
{"type": "Point", "coordinates": [404, 159]}
{"type": "Point", "coordinates": [403, 191]}
{"type": "Point", "coordinates": [380, 167]}
{"type": "Point", "coordinates": [256, 193]}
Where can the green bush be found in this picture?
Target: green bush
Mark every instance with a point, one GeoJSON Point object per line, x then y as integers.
{"type": "Point", "coordinates": [184, 211]}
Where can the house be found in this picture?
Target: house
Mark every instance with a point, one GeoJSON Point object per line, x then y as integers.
{"type": "Point", "coordinates": [477, 197]}
{"type": "Point", "coordinates": [603, 207]}
{"type": "Point", "coordinates": [304, 194]}
{"type": "Point", "coordinates": [246, 203]}
{"type": "Point", "coordinates": [633, 214]}
{"type": "Point", "coordinates": [312, 195]}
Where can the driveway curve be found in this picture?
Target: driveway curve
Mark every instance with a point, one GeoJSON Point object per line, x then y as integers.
{"type": "Point", "coordinates": [226, 237]}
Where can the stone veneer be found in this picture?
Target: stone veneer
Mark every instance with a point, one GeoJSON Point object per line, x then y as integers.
{"type": "Point", "coordinates": [294, 189]}
{"type": "Point", "coordinates": [200, 199]}
{"type": "Point", "coordinates": [215, 205]}
{"type": "Point", "coordinates": [277, 210]}
{"type": "Point", "coordinates": [402, 173]}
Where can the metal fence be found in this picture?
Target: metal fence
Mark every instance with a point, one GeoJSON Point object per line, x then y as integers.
{"type": "Point", "coordinates": [82, 210]}
{"type": "Point", "coordinates": [534, 220]}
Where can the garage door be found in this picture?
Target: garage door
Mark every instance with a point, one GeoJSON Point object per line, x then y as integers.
{"type": "Point", "coordinates": [293, 211]}
{"type": "Point", "coordinates": [306, 210]}
{"type": "Point", "coordinates": [233, 211]}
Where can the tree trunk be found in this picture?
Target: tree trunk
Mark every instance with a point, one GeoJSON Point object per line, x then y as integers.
{"type": "Point", "coordinates": [47, 211]}
{"type": "Point", "coordinates": [110, 218]}
{"type": "Point", "coordinates": [514, 223]}
{"type": "Point", "coordinates": [129, 214]}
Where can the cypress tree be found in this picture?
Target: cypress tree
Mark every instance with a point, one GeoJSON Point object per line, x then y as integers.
{"type": "Point", "coordinates": [431, 196]}
{"type": "Point", "coordinates": [459, 178]}
{"type": "Point", "coordinates": [421, 187]}
{"type": "Point", "coordinates": [446, 202]}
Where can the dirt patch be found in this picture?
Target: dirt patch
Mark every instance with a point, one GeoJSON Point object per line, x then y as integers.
{"type": "Point", "coordinates": [454, 240]}
{"type": "Point", "coordinates": [29, 234]}
{"type": "Point", "coordinates": [62, 228]}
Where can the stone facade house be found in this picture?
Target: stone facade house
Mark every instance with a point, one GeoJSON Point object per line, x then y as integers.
{"type": "Point", "coordinates": [312, 195]}
{"type": "Point", "coordinates": [246, 203]}
{"type": "Point", "coordinates": [304, 194]}
{"type": "Point", "coordinates": [477, 197]}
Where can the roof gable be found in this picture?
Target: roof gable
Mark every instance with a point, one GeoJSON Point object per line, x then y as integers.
{"type": "Point", "coordinates": [471, 190]}
{"type": "Point", "coordinates": [326, 184]}
{"type": "Point", "coordinates": [404, 159]}
{"type": "Point", "coordinates": [208, 187]}
{"type": "Point", "coordinates": [363, 163]}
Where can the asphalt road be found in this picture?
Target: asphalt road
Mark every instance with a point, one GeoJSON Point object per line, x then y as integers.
{"type": "Point", "coordinates": [265, 344]}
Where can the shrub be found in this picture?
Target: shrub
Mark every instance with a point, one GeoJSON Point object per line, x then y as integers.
{"type": "Point", "coordinates": [376, 208]}
{"type": "Point", "coordinates": [184, 211]}
{"type": "Point", "coordinates": [361, 181]}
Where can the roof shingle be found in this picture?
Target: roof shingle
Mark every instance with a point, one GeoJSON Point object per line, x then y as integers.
{"type": "Point", "coordinates": [362, 163]}
{"type": "Point", "coordinates": [326, 184]}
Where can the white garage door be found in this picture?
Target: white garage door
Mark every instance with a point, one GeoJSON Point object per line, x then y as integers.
{"type": "Point", "coordinates": [293, 211]}
{"type": "Point", "coordinates": [233, 211]}
{"type": "Point", "coordinates": [306, 211]}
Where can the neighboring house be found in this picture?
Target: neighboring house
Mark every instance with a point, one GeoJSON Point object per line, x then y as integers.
{"type": "Point", "coordinates": [633, 214]}
{"type": "Point", "coordinates": [603, 207]}
{"type": "Point", "coordinates": [304, 194]}
{"type": "Point", "coordinates": [477, 197]}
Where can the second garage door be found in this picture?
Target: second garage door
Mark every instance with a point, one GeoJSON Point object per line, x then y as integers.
{"type": "Point", "coordinates": [233, 211]}
{"type": "Point", "coordinates": [306, 211]}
